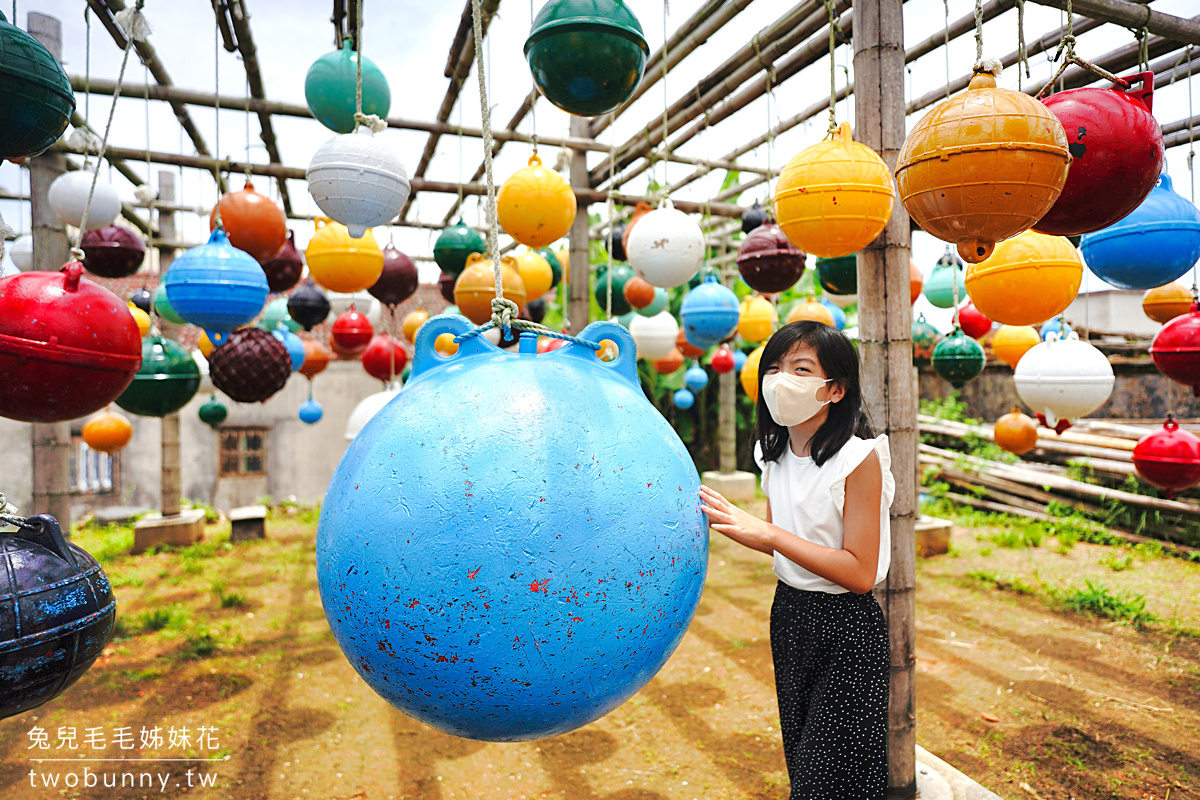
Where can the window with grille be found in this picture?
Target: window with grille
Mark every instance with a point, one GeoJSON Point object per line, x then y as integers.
{"type": "Point", "coordinates": [243, 451]}
{"type": "Point", "coordinates": [91, 470]}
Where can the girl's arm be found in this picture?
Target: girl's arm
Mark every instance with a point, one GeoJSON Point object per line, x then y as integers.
{"type": "Point", "coordinates": [852, 567]}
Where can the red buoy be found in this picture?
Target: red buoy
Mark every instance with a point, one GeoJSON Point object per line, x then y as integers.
{"type": "Point", "coordinates": [1116, 155]}
{"type": "Point", "coordinates": [973, 322]}
{"type": "Point", "coordinates": [1169, 458]}
{"type": "Point", "coordinates": [352, 331]}
{"type": "Point", "coordinates": [1176, 350]}
{"type": "Point", "coordinates": [384, 358]}
{"type": "Point", "coordinates": [68, 347]}
{"type": "Point", "coordinates": [722, 360]}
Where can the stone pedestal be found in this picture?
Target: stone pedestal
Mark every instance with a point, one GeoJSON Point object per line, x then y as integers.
{"type": "Point", "coordinates": [736, 487]}
{"type": "Point", "coordinates": [248, 523]}
{"type": "Point", "coordinates": [186, 527]}
{"type": "Point", "coordinates": [933, 536]}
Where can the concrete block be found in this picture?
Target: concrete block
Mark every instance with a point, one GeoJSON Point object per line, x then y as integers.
{"type": "Point", "coordinates": [187, 527]}
{"type": "Point", "coordinates": [737, 487]}
{"type": "Point", "coordinates": [248, 523]}
{"type": "Point", "coordinates": [117, 515]}
{"type": "Point", "coordinates": [933, 536]}
{"type": "Point", "coordinates": [961, 787]}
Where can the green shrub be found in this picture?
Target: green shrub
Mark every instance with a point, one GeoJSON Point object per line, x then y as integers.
{"type": "Point", "coordinates": [1094, 598]}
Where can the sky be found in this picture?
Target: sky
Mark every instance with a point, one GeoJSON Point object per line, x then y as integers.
{"type": "Point", "coordinates": [408, 40]}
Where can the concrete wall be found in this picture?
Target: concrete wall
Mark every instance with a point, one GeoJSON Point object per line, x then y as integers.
{"type": "Point", "coordinates": [16, 463]}
{"type": "Point", "coordinates": [1113, 311]}
{"type": "Point", "coordinates": [1140, 392]}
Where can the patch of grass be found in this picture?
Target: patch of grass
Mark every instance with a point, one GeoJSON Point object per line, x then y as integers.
{"type": "Point", "coordinates": [211, 515]}
{"type": "Point", "coordinates": [120, 580]}
{"type": "Point", "coordinates": [1066, 538]}
{"type": "Point", "coordinates": [107, 544]}
{"type": "Point", "coordinates": [1117, 563]}
{"type": "Point", "coordinates": [171, 617]}
{"type": "Point", "coordinates": [985, 551]}
{"type": "Point", "coordinates": [191, 566]}
{"type": "Point", "coordinates": [228, 599]}
{"type": "Point", "coordinates": [1003, 583]}
{"type": "Point", "coordinates": [1147, 551]}
{"type": "Point", "coordinates": [1096, 599]}
{"type": "Point", "coordinates": [200, 643]}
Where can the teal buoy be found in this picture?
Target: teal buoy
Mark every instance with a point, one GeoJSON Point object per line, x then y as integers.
{"type": "Point", "coordinates": [329, 88]}
{"type": "Point", "coordinates": [455, 244]}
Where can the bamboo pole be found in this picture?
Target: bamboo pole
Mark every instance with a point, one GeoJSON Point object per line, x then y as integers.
{"type": "Point", "coordinates": [1130, 15]}
{"type": "Point", "coordinates": [707, 20]}
{"type": "Point", "coordinates": [170, 481]}
{"type": "Point", "coordinates": [240, 17]}
{"type": "Point", "coordinates": [50, 442]}
{"type": "Point", "coordinates": [579, 258]}
{"type": "Point", "coordinates": [885, 344]}
{"type": "Point", "coordinates": [588, 195]}
{"type": "Point", "coordinates": [105, 10]}
{"type": "Point", "coordinates": [774, 42]}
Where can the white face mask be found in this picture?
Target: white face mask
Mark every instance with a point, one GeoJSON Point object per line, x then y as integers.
{"type": "Point", "coordinates": [792, 399]}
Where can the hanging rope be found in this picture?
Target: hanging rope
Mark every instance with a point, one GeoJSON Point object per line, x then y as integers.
{"type": "Point", "coordinates": [1143, 37]}
{"type": "Point", "coordinates": [945, 47]}
{"type": "Point", "coordinates": [136, 28]}
{"type": "Point", "coordinates": [146, 193]}
{"type": "Point", "coordinates": [1191, 156]}
{"type": "Point", "coordinates": [1066, 51]}
{"type": "Point", "coordinates": [367, 120]}
{"type": "Point", "coordinates": [1022, 53]}
{"type": "Point", "coordinates": [834, 29]}
{"type": "Point", "coordinates": [982, 65]}
{"type": "Point", "coordinates": [247, 116]}
{"type": "Point", "coordinates": [83, 138]}
{"type": "Point", "coordinates": [612, 162]}
{"type": "Point", "coordinates": [217, 223]}
{"type": "Point", "coordinates": [6, 232]}
{"type": "Point", "coordinates": [666, 145]}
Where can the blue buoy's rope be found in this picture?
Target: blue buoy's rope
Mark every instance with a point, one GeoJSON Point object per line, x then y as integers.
{"type": "Point", "coordinates": [531, 327]}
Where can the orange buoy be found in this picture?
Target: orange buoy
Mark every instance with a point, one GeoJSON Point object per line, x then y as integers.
{"type": "Point", "coordinates": [1165, 303]}
{"type": "Point", "coordinates": [204, 345]}
{"type": "Point", "coordinates": [638, 292]}
{"type": "Point", "coordinates": [982, 166]}
{"type": "Point", "coordinates": [834, 197]}
{"type": "Point", "coordinates": [107, 432]}
{"type": "Point", "coordinates": [316, 358]}
{"type": "Point", "coordinates": [916, 281]}
{"type": "Point", "coordinates": [1026, 280]}
{"type": "Point", "coordinates": [672, 362]}
{"type": "Point", "coordinates": [413, 322]}
{"type": "Point", "coordinates": [1010, 342]}
{"type": "Point", "coordinates": [445, 344]}
{"type": "Point", "coordinates": [757, 319]}
{"type": "Point", "coordinates": [476, 287]}
{"type": "Point", "coordinates": [686, 348]}
{"type": "Point", "coordinates": [253, 222]}
{"type": "Point", "coordinates": [810, 309]}
{"type": "Point", "coordinates": [536, 205]}
{"type": "Point", "coordinates": [341, 263]}
{"type": "Point", "coordinates": [1016, 432]}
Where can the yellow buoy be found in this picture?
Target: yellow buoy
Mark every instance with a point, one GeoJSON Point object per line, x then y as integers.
{"type": "Point", "coordinates": [1027, 280]}
{"type": "Point", "coordinates": [107, 432]}
{"type": "Point", "coordinates": [475, 287]}
{"type": "Point", "coordinates": [445, 344]}
{"type": "Point", "coordinates": [204, 345]}
{"type": "Point", "coordinates": [810, 309]}
{"type": "Point", "coordinates": [535, 273]}
{"type": "Point", "coordinates": [141, 318]}
{"type": "Point", "coordinates": [834, 197]}
{"type": "Point", "coordinates": [413, 322]}
{"type": "Point", "coordinates": [341, 263]}
{"type": "Point", "coordinates": [1165, 303]}
{"type": "Point", "coordinates": [749, 374]}
{"type": "Point", "coordinates": [536, 205]}
{"type": "Point", "coordinates": [1010, 342]}
{"type": "Point", "coordinates": [756, 319]}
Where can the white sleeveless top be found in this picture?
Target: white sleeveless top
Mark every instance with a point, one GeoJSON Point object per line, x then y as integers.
{"type": "Point", "coordinates": [807, 500]}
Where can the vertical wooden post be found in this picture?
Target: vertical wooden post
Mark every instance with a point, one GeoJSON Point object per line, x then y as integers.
{"type": "Point", "coordinates": [580, 258]}
{"type": "Point", "coordinates": [170, 482]}
{"type": "Point", "coordinates": [52, 479]}
{"type": "Point", "coordinates": [885, 344]}
{"type": "Point", "coordinates": [727, 411]}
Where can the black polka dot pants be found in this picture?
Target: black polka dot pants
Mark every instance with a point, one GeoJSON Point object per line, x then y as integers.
{"type": "Point", "coordinates": [832, 667]}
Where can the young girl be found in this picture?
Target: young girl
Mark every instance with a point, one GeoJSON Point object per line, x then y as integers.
{"type": "Point", "coordinates": [829, 486]}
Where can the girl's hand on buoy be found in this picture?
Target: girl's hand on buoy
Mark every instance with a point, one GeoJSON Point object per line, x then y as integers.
{"type": "Point", "coordinates": [741, 526]}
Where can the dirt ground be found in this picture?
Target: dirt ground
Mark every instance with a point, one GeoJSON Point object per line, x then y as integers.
{"type": "Point", "coordinates": [1033, 701]}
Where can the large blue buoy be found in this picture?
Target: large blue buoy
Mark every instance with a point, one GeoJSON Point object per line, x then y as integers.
{"type": "Point", "coordinates": [709, 313]}
{"type": "Point", "coordinates": [216, 287]}
{"type": "Point", "coordinates": [1157, 243]}
{"type": "Point", "coordinates": [528, 563]}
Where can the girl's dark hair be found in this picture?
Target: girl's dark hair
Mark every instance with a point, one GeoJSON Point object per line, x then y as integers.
{"type": "Point", "coordinates": [839, 361]}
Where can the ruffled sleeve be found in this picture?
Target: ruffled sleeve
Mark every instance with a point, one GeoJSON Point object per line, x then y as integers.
{"type": "Point", "coordinates": [763, 465]}
{"type": "Point", "coordinates": [854, 453]}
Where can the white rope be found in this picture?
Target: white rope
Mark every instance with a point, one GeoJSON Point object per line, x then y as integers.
{"type": "Point", "coordinates": [6, 232]}
{"type": "Point", "coordinates": [136, 28]}
{"type": "Point", "coordinates": [371, 121]}
{"type": "Point", "coordinates": [504, 311]}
